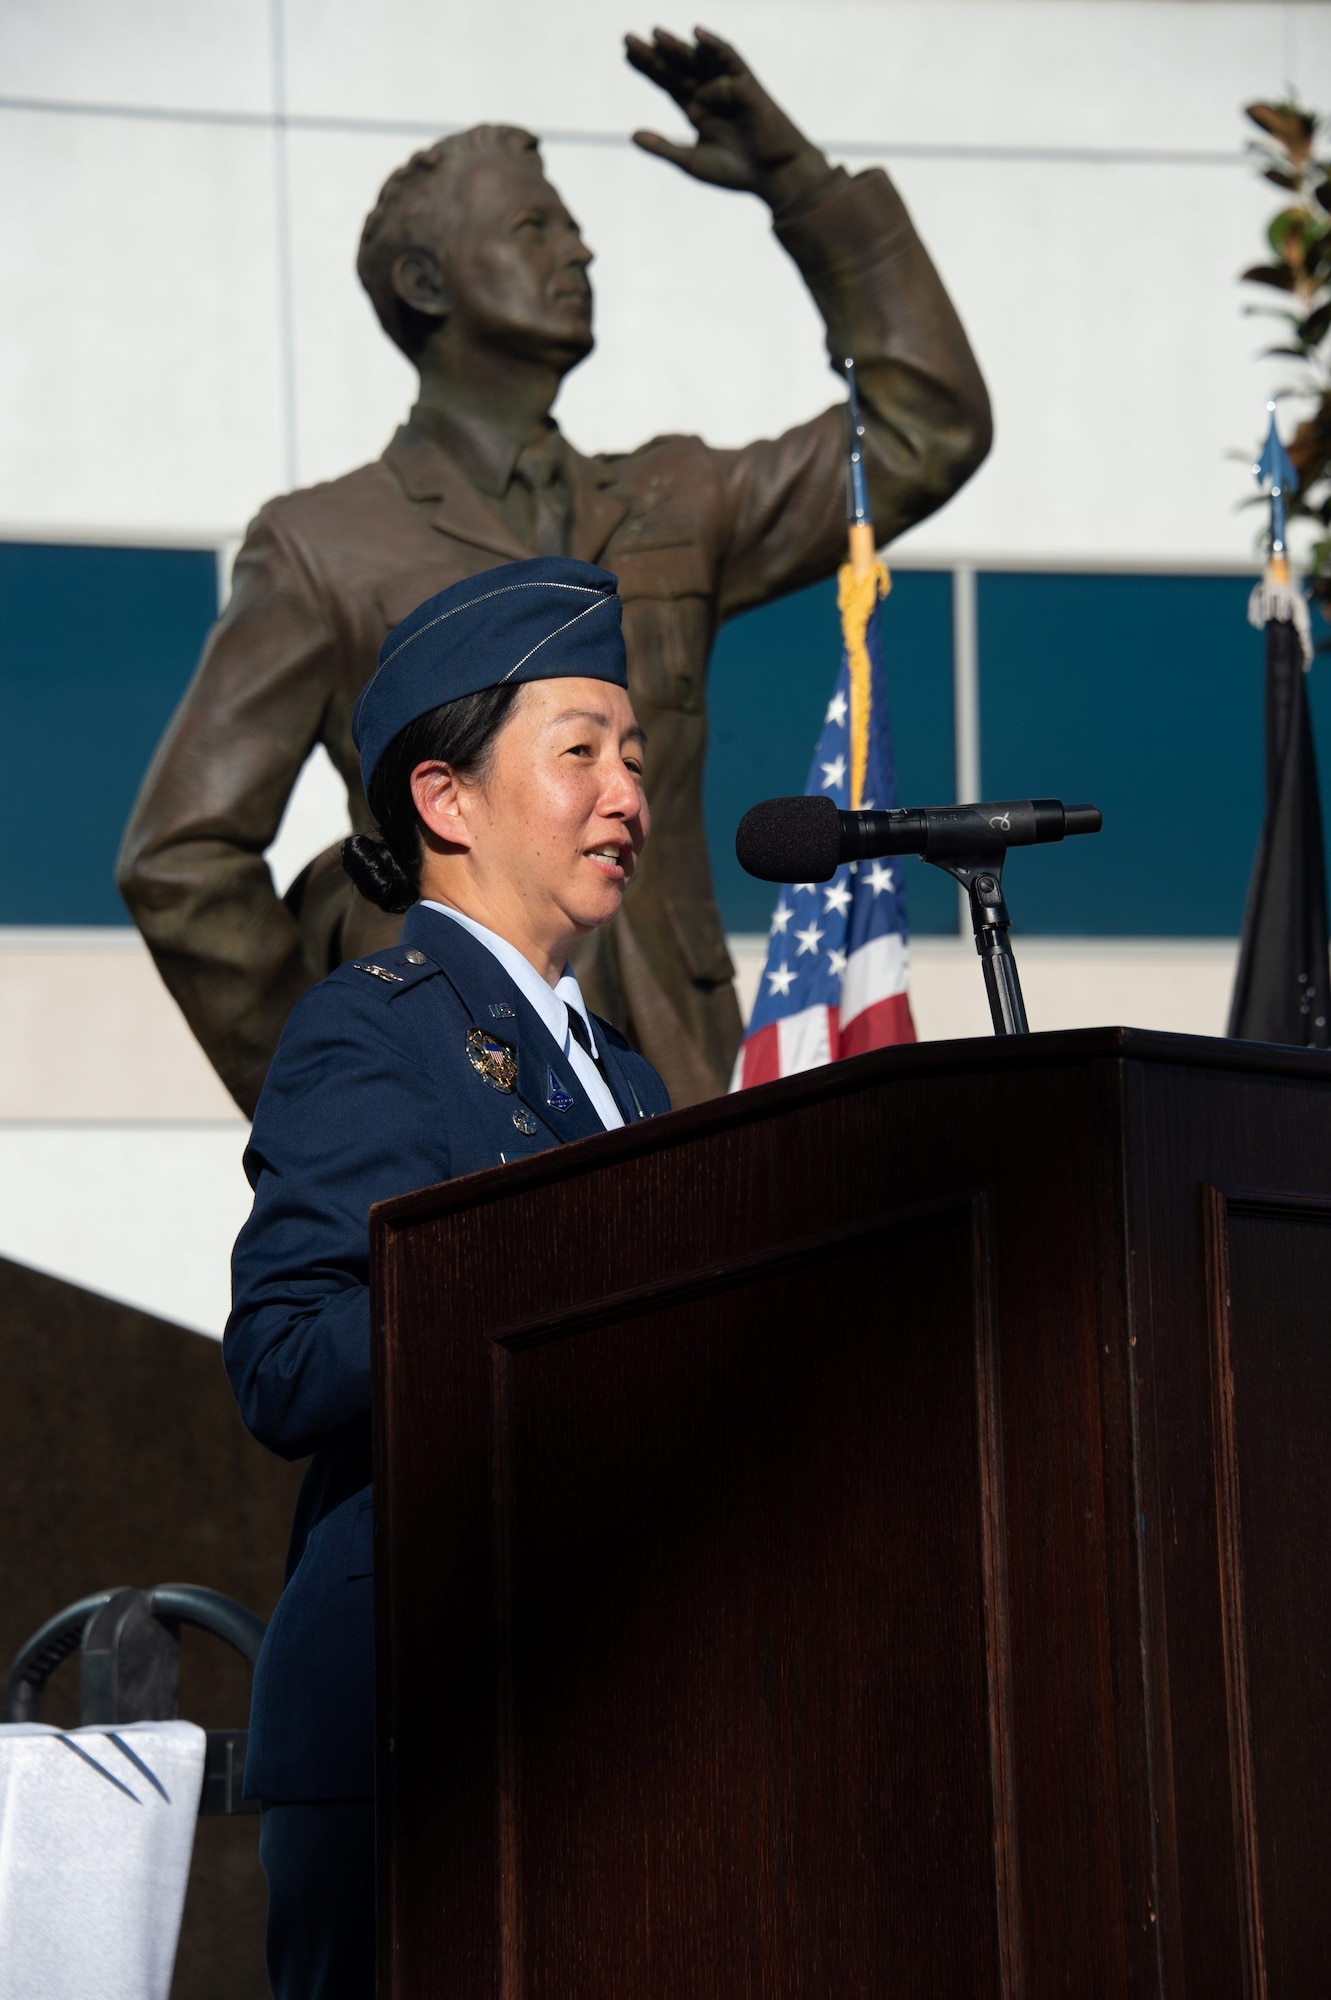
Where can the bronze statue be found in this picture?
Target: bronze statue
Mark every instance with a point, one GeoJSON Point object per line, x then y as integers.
{"type": "Point", "coordinates": [479, 274]}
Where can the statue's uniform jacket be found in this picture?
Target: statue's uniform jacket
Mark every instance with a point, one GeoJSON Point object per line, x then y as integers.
{"type": "Point", "coordinates": [694, 534]}
{"type": "Point", "coordinates": [372, 1093]}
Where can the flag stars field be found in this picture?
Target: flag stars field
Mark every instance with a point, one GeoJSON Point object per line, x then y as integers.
{"type": "Point", "coordinates": [880, 878]}
{"type": "Point", "coordinates": [836, 710]}
{"type": "Point", "coordinates": [834, 774]}
{"type": "Point", "coordinates": [809, 939]}
{"type": "Point", "coordinates": [781, 916]}
{"type": "Point", "coordinates": [838, 898]}
{"type": "Point", "coordinates": [782, 979]}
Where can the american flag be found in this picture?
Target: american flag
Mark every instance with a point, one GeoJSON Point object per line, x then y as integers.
{"type": "Point", "coordinates": [836, 980]}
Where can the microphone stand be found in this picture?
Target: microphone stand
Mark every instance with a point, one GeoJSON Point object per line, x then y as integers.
{"type": "Point", "coordinates": [812, 836]}
{"type": "Point", "coordinates": [979, 869]}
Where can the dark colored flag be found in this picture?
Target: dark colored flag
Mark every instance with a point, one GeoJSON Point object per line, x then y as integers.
{"type": "Point", "coordinates": [1280, 989]}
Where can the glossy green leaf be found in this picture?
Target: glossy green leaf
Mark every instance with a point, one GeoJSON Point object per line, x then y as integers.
{"type": "Point", "coordinates": [1278, 275]}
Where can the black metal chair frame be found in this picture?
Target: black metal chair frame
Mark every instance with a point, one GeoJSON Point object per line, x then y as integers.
{"type": "Point", "coordinates": [121, 1616]}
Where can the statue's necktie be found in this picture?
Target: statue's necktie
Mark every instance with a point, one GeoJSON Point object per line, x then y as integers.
{"type": "Point", "coordinates": [541, 473]}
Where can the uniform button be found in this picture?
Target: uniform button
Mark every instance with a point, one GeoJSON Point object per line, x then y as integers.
{"type": "Point", "coordinates": [524, 1122]}
{"type": "Point", "coordinates": [414, 957]}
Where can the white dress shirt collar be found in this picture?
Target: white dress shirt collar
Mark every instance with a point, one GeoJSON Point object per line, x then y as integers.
{"type": "Point", "coordinates": [551, 1004]}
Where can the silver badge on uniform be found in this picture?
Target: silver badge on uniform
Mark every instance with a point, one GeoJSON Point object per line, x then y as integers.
{"type": "Point", "coordinates": [492, 1059]}
{"type": "Point", "coordinates": [524, 1122]}
{"type": "Point", "coordinates": [501, 1011]}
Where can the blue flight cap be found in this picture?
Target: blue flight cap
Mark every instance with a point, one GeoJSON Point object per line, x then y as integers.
{"type": "Point", "coordinates": [548, 619]}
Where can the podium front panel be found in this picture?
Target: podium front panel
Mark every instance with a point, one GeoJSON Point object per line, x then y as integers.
{"type": "Point", "coordinates": [775, 1591]}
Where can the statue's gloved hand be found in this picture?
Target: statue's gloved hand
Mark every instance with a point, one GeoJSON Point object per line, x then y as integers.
{"type": "Point", "coordinates": [745, 139]}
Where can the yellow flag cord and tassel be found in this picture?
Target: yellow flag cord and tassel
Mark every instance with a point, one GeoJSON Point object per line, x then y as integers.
{"type": "Point", "coordinates": [862, 584]}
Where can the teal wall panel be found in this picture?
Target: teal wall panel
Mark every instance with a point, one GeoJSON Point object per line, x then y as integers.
{"type": "Point", "coordinates": [772, 674]}
{"type": "Point", "coordinates": [1142, 695]}
{"type": "Point", "coordinates": [96, 648]}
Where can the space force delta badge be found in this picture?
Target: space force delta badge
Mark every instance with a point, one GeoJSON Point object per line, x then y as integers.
{"type": "Point", "coordinates": [556, 1096]}
{"type": "Point", "coordinates": [492, 1059]}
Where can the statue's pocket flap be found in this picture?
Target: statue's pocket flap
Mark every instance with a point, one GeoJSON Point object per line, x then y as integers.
{"type": "Point", "coordinates": [659, 568]}
{"type": "Point", "coordinates": [655, 531]}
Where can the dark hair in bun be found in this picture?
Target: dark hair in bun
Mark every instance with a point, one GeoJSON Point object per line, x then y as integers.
{"type": "Point", "coordinates": [461, 733]}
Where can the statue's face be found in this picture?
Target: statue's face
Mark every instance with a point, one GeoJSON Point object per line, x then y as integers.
{"type": "Point", "coordinates": [516, 264]}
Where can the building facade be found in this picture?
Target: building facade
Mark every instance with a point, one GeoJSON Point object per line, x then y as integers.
{"type": "Point", "coordinates": [185, 336]}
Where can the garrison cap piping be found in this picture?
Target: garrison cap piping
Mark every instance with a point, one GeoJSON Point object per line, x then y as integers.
{"type": "Point", "coordinates": [601, 599]}
{"type": "Point", "coordinates": [581, 589]}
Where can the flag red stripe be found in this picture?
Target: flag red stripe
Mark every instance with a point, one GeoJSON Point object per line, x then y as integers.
{"type": "Point", "coordinates": [878, 1027]}
{"type": "Point", "coordinates": [762, 1057]}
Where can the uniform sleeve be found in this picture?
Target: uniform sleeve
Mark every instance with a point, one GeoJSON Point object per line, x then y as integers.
{"type": "Point", "coordinates": [345, 1120]}
{"type": "Point", "coordinates": [923, 400]}
{"type": "Point", "coordinates": [192, 866]}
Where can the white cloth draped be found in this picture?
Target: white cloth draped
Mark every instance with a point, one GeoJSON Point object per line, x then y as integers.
{"type": "Point", "coordinates": [96, 1833]}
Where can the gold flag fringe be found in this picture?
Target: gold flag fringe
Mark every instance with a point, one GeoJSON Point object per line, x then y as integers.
{"type": "Point", "coordinates": [857, 598]}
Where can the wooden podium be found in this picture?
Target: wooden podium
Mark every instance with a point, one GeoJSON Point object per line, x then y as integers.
{"type": "Point", "coordinates": [869, 1537]}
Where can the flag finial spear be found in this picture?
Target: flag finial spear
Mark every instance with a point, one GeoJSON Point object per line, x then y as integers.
{"type": "Point", "coordinates": [1276, 476]}
{"type": "Point", "coordinates": [863, 553]}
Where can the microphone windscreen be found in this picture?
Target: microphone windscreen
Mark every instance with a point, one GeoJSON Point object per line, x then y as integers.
{"type": "Point", "coordinates": [790, 840]}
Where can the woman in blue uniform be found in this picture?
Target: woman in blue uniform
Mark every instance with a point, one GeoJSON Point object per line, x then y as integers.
{"type": "Point", "coordinates": [503, 765]}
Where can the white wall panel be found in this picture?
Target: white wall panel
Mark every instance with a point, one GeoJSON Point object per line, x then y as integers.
{"type": "Point", "coordinates": [1163, 73]}
{"type": "Point", "coordinates": [702, 321]}
{"type": "Point", "coordinates": [1124, 375]}
{"type": "Point", "coordinates": [143, 1213]}
{"type": "Point", "coordinates": [465, 62]}
{"type": "Point", "coordinates": [353, 387]}
{"type": "Point", "coordinates": [89, 1032]}
{"type": "Point", "coordinates": [204, 54]}
{"type": "Point", "coordinates": [139, 371]}
{"type": "Point", "coordinates": [145, 383]}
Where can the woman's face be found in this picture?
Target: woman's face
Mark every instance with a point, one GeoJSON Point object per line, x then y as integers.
{"type": "Point", "coordinates": [549, 839]}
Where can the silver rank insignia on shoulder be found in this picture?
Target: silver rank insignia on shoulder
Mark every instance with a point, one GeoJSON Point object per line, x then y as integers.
{"type": "Point", "coordinates": [492, 1059]}
{"type": "Point", "coordinates": [501, 1011]}
{"type": "Point", "coordinates": [556, 1096]}
{"type": "Point", "coordinates": [380, 972]}
{"type": "Point", "coordinates": [524, 1121]}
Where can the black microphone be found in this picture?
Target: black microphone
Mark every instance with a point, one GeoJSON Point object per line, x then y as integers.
{"type": "Point", "coordinates": [807, 839]}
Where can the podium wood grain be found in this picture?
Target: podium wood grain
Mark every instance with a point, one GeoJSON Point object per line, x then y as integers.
{"type": "Point", "coordinates": [868, 1536]}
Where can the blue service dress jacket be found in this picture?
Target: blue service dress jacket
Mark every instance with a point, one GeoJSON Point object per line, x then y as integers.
{"type": "Point", "coordinates": [373, 1092]}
